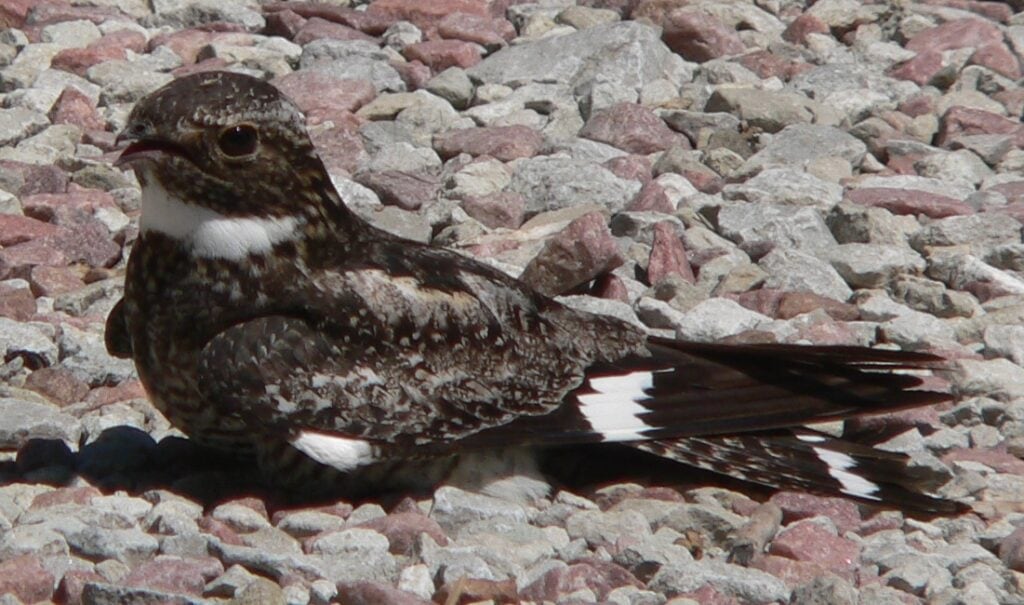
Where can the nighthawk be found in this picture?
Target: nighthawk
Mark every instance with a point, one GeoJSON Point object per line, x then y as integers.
{"type": "Point", "coordinates": [266, 318]}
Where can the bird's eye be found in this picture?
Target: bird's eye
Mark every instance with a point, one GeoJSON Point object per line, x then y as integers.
{"type": "Point", "coordinates": [236, 141]}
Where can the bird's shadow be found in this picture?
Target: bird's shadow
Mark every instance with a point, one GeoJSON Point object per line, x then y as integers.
{"type": "Point", "coordinates": [125, 458]}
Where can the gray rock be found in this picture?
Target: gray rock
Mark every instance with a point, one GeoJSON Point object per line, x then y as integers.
{"type": "Point", "coordinates": [130, 546]}
{"type": "Point", "coordinates": [825, 590]}
{"type": "Point", "coordinates": [929, 296]}
{"type": "Point", "coordinates": [853, 223]}
{"type": "Point", "coordinates": [743, 583]}
{"type": "Point", "coordinates": [355, 59]}
{"type": "Point", "coordinates": [767, 110]}
{"type": "Point", "coordinates": [100, 593]}
{"type": "Point", "coordinates": [965, 271]}
{"type": "Point", "coordinates": [354, 554]}
{"type": "Point", "coordinates": [33, 342]}
{"type": "Point", "coordinates": [604, 528]}
{"type": "Point", "coordinates": [453, 507]}
{"type": "Point", "coordinates": [452, 85]}
{"type": "Point", "coordinates": [796, 270]}
{"type": "Point", "coordinates": [124, 81]}
{"type": "Point", "coordinates": [1005, 341]}
{"type": "Point", "coordinates": [874, 265]}
{"type": "Point", "coordinates": [981, 232]}
{"type": "Point", "coordinates": [717, 318]}
{"type": "Point", "coordinates": [787, 187]}
{"type": "Point", "coordinates": [305, 523]}
{"type": "Point", "coordinates": [32, 539]}
{"type": "Point", "coordinates": [960, 166]}
{"type": "Point", "coordinates": [799, 144]}
{"type": "Point", "coordinates": [85, 355]}
{"type": "Point", "coordinates": [996, 378]}
{"type": "Point", "coordinates": [181, 15]}
{"type": "Point", "coordinates": [551, 183]}
{"type": "Point", "coordinates": [921, 576]}
{"type": "Point", "coordinates": [628, 53]}
{"type": "Point", "coordinates": [31, 61]}
{"type": "Point", "coordinates": [763, 226]}
{"type": "Point", "coordinates": [24, 420]}
{"type": "Point", "coordinates": [20, 123]}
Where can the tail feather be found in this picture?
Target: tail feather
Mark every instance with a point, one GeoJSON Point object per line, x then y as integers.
{"type": "Point", "coordinates": [808, 463]}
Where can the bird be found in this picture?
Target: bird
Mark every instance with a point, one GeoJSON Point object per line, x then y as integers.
{"type": "Point", "coordinates": [268, 320]}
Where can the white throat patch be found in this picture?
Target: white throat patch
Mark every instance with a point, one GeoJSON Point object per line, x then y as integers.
{"type": "Point", "coordinates": [207, 233]}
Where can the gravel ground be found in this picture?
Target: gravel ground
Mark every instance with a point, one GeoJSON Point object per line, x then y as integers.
{"type": "Point", "coordinates": [845, 172]}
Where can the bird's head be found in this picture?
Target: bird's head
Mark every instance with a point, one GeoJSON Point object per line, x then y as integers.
{"type": "Point", "coordinates": [226, 155]}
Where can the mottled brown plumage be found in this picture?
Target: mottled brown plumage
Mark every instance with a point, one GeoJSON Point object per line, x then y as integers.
{"type": "Point", "coordinates": [260, 312]}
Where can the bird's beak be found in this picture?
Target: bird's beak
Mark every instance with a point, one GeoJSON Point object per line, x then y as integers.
{"type": "Point", "coordinates": [138, 148]}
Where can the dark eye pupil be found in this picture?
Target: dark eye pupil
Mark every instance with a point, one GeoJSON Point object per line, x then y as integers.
{"type": "Point", "coordinates": [238, 141]}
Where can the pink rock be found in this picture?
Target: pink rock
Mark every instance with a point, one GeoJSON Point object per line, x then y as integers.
{"type": "Point", "coordinates": [668, 257]}
{"type": "Point", "coordinates": [413, 73]}
{"type": "Point", "coordinates": [69, 591]}
{"type": "Point", "coordinates": [599, 577]}
{"type": "Point", "coordinates": [19, 259]}
{"type": "Point", "coordinates": [45, 13]}
{"type": "Point", "coordinates": [825, 331]}
{"type": "Point", "coordinates": [576, 255]}
{"type": "Point", "coordinates": [16, 303]}
{"type": "Point", "coordinates": [611, 287]}
{"type": "Point", "coordinates": [65, 495]}
{"type": "Point", "coordinates": [426, 15]}
{"type": "Point", "coordinates": [187, 43]}
{"type": "Point", "coordinates": [802, 26]}
{"type": "Point", "coordinates": [967, 120]}
{"type": "Point", "coordinates": [439, 55]}
{"type": "Point", "coordinates": [996, 458]}
{"type": "Point", "coordinates": [69, 209]}
{"type": "Point", "coordinates": [959, 33]}
{"type": "Point", "coordinates": [490, 33]}
{"type": "Point", "coordinates": [365, 592]}
{"type": "Point", "coordinates": [792, 572]}
{"type": "Point", "coordinates": [26, 578]}
{"type": "Point", "coordinates": [220, 530]}
{"type": "Point", "coordinates": [322, 96]}
{"type": "Point", "coordinates": [15, 229]}
{"type": "Point", "coordinates": [703, 179]}
{"type": "Point", "coordinates": [125, 391]}
{"type": "Point", "coordinates": [366, 22]}
{"type": "Point", "coordinates": [284, 23]}
{"type": "Point", "coordinates": [110, 47]}
{"type": "Point", "coordinates": [13, 12]}
{"type": "Point", "coordinates": [795, 506]}
{"type": "Point", "coordinates": [23, 179]}
{"type": "Point", "coordinates": [407, 190]}
{"type": "Point", "coordinates": [921, 69]}
{"type": "Point", "coordinates": [175, 575]}
{"type": "Point", "coordinates": [211, 64]}
{"type": "Point", "coordinates": [810, 542]}
{"type": "Point", "coordinates": [908, 201]}
{"type": "Point", "coordinates": [918, 105]}
{"type": "Point", "coordinates": [894, 423]}
{"type": "Point", "coordinates": [767, 64]}
{"type": "Point", "coordinates": [632, 128]}
{"type": "Point", "coordinates": [999, 58]}
{"type": "Point", "coordinates": [403, 529]}
{"type": "Point", "coordinates": [1012, 191]}
{"type": "Point", "coordinates": [341, 146]}
{"type": "Point", "coordinates": [651, 198]}
{"type": "Point", "coordinates": [503, 143]}
{"type": "Point", "coordinates": [502, 209]}
{"type": "Point", "coordinates": [700, 37]}
{"type": "Point", "coordinates": [792, 304]}
{"type": "Point", "coordinates": [57, 384]}
{"type": "Point", "coordinates": [75, 107]}
{"type": "Point", "coordinates": [54, 281]}
{"type": "Point", "coordinates": [317, 28]}
{"type": "Point", "coordinates": [1011, 550]}
{"type": "Point", "coordinates": [630, 167]}
{"type": "Point", "coordinates": [1012, 100]}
